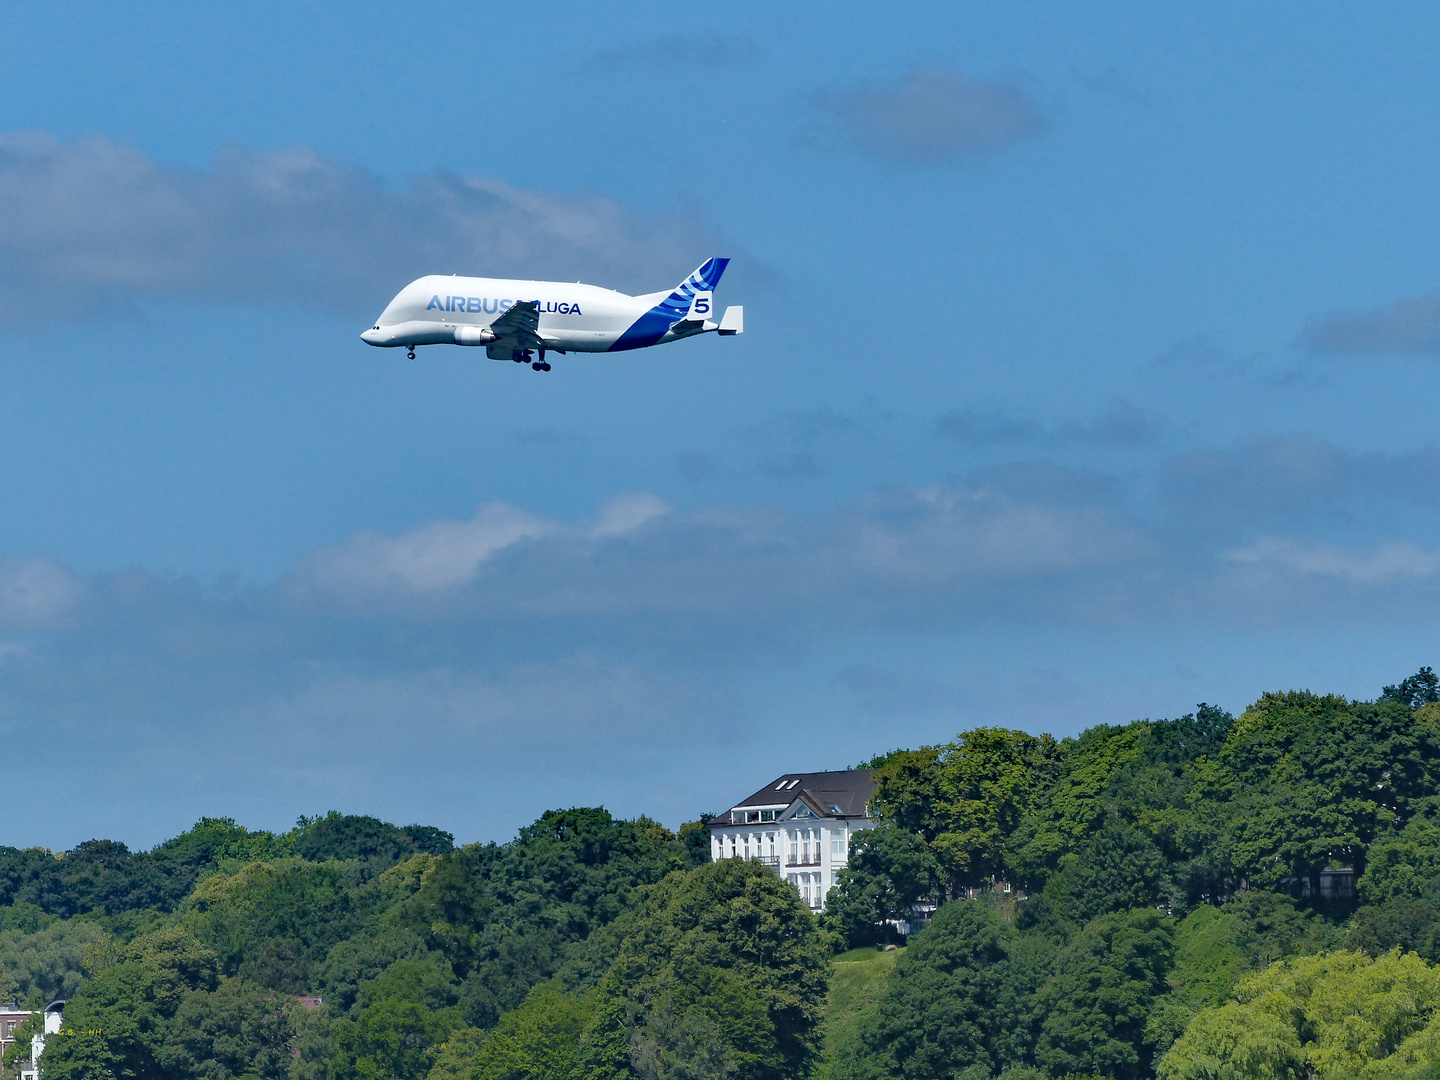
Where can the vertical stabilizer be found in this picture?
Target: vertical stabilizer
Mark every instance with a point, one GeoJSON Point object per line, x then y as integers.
{"type": "Point", "coordinates": [677, 307]}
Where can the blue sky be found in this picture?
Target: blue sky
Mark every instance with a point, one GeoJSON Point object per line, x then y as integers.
{"type": "Point", "coordinates": [1090, 373]}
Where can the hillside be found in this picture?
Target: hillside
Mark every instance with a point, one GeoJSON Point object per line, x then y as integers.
{"type": "Point", "coordinates": [1258, 895]}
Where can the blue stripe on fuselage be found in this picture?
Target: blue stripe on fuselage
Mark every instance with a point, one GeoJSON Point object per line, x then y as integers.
{"type": "Point", "coordinates": [656, 323]}
{"type": "Point", "coordinates": [646, 330]}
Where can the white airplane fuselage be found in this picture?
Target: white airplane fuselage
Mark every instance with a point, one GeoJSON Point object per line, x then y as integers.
{"type": "Point", "coordinates": [566, 317]}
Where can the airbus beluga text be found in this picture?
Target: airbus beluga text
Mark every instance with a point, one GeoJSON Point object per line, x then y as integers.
{"type": "Point", "coordinates": [514, 319]}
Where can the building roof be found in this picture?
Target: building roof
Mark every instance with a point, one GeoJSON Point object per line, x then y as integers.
{"type": "Point", "coordinates": [829, 794]}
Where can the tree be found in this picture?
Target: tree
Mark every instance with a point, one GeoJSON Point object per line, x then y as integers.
{"type": "Point", "coordinates": [506, 917]}
{"type": "Point", "coordinates": [393, 1039]}
{"type": "Point", "coordinates": [541, 1040]}
{"type": "Point", "coordinates": [1305, 782]}
{"type": "Point", "coordinates": [1331, 1016]}
{"type": "Point", "coordinates": [1405, 862]}
{"type": "Point", "coordinates": [48, 963]}
{"type": "Point", "coordinates": [272, 921]}
{"type": "Point", "coordinates": [1411, 925]}
{"type": "Point", "coordinates": [117, 1024]}
{"type": "Point", "coordinates": [1422, 688]}
{"type": "Point", "coordinates": [356, 836]}
{"type": "Point", "coordinates": [1119, 867]}
{"type": "Point", "coordinates": [237, 1029]}
{"type": "Point", "coordinates": [400, 1019]}
{"type": "Point", "coordinates": [1098, 1001]}
{"type": "Point", "coordinates": [956, 1001]}
{"type": "Point", "coordinates": [888, 870]}
{"type": "Point", "coordinates": [967, 797]}
{"type": "Point", "coordinates": [364, 956]}
{"type": "Point", "coordinates": [695, 837]}
{"type": "Point", "coordinates": [1209, 961]}
{"type": "Point", "coordinates": [724, 962]}
{"type": "Point", "coordinates": [1137, 783]}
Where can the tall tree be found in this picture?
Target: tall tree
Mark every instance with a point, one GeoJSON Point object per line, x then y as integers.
{"type": "Point", "coordinates": [957, 1003]}
{"type": "Point", "coordinates": [967, 797]}
{"type": "Point", "coordinates": [1304, 782]}
{"type": "Point", "coordinates": [1328, 1017]}
{"type": "Point", "coordinates": [1422, 688]}
{"type": "Point", "coordinates": [888, 870]}
{"type": "Point", "coordinates": [1098, 1001]}
{"type": "Point", "coordinates": [541, 1040]}
{"type": "Point", "coordinates": [724, 964]}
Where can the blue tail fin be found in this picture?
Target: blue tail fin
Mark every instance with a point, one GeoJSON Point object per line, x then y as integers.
{"type": "Point", "coordinates": [654, 324]}
{"type": "Point", "coordinates": [707, 277]}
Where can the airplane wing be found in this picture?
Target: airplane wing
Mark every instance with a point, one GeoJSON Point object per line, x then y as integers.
{"type": "Point", "coordinates": [521, 324]}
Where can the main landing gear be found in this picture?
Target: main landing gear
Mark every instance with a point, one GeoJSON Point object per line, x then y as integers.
{"type": "Point", "coordinates": [523, 357]}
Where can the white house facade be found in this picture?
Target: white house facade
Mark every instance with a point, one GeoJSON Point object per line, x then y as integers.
{"type": "Point", "coordinates": [30, 1070]}
{"type": "Point", "coordinates": [801, 824]}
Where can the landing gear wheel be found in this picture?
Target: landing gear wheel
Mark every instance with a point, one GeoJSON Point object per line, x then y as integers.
{"type": "Point", "coordinates": [539, 366]}
{"type": "Point", "coordinates": [411, 354]}
{"type": "Point", "coordinates": [545, 366]}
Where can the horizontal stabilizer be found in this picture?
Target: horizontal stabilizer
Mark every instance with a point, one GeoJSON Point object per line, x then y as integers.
{"type": "Point", "coordinates": [733, 321]}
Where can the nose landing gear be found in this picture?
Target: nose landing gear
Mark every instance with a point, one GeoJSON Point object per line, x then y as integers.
{"type": "Point", "coordinates": [411, 354]}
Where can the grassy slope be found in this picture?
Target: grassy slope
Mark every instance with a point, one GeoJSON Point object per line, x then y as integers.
{"type": "Point", "coordinates": [855, 982]}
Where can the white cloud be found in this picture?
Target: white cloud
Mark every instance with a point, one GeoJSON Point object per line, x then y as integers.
{"type": "Point", "coordinates": [36, 593]}
{"type": "Point", "coordinates": [931, 115]}
{"type": "Point", "coordinates": [1379, 565]}
{"type": "Point", "coordinates": [93, 223]}
{"type": "Point", "coordinates": [428, 558]}
{"type": "Point", "coordinates": [626, 513]}
{"type": "Point", "coordinates": [973, 532]}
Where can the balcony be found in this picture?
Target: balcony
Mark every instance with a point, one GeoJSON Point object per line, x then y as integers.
{"type": "Point", "coordinates": [803, 861]}
{"type": "Point", "coordinates": [768, 860]}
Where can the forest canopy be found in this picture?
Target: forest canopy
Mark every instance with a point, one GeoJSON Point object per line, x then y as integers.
{"type": "Point", "coordinates": [1252, 896]}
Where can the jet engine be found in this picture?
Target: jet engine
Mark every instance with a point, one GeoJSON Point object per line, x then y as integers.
{"type": "Point", "coordinates": [474, 335]}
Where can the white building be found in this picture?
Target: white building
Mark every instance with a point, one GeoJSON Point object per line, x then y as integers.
{"type": "Point", "coordinates": [31, 1070]}
{"type": "Point", "coordinates": [800, 824]}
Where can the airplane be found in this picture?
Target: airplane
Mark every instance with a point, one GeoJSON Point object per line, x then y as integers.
{"type": "Point", "coordinates": [513, 319]}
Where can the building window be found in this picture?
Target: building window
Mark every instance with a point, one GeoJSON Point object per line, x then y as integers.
{"type": "Point", "coordinates": [767, 815]}
{"type": "Point", "coordinates": [837, 844]}
{"type": "Point", "coordinates": [794, 848]}
{"type": "Point", "coordinates": [811, 890]}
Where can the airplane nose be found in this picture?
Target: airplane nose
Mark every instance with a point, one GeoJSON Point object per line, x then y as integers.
{"type": "Point", "coordinates": [371, 336]}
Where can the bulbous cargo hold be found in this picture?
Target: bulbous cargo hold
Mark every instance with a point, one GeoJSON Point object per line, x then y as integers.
{"type": "Point", "coordinates": [516, 319]}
